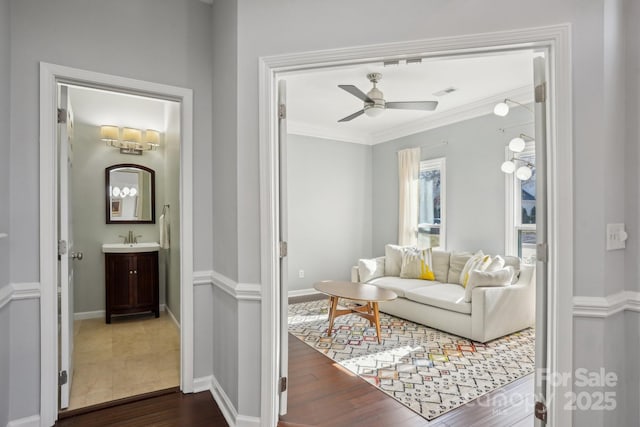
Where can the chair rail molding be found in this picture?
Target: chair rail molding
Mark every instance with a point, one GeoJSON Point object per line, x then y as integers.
{"type": "Point", "coordinates": [18, 291]}
{"type": "Point", "coordinates": [240, 291]}
{"type": "Point", "coordinates": [602, 307]}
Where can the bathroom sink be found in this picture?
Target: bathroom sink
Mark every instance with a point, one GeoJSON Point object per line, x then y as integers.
{"type": "Point", "coordinates": [130, 247]}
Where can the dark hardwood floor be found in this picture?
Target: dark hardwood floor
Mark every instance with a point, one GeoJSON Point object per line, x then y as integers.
{"type": "Point", "coordinates": [322, 393]}
{"type": "Point", "coordinates": [173, 409]}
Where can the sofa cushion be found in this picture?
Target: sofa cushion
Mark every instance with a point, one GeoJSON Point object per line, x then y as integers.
{"type": "Point", "coordinates": [487, 278]}
{"type": "Point", "coordinates": [400, 286]}
{"type": "Point", "coordinates": [370, 268]}
{"type": "Point", "coordinates": [479, 261]}
{"type": "Point", "coordinates": [497, 263]}
{"type": "Point", "coordinates": [440, 261]}
{"type": "Point", "coordinates": [393, 259]}
{"type": "Point", "coordinates": [444, 295]}
{"type": "Point", "coordinates": [456, 264]}
{"type": "Point", "coordinates": [416, 264]}
{"type": "Point", "coordinates": [513, 261]}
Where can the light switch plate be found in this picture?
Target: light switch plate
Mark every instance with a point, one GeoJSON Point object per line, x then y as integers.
{"type": "Point", "coordinates": [616, 237]}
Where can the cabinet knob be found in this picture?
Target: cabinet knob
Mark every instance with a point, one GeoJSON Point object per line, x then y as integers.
{"type": "Point", "coordinates": [135, 271]}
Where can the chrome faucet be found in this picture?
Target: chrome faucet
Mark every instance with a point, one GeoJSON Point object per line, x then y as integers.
{"type": "Point", "coordinates": [130, 237]}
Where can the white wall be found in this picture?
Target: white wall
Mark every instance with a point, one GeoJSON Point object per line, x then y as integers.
{"type": "Point", "coordinates": [5, 327]}
{"type": "Point", "coordinates": [90, 229]}
{"type": "Point", "coordinates": [330, 209]}
{"type": "Point", "coordinates": [475, 208]}
{"type": "Point", "coordinates": [160, 41]}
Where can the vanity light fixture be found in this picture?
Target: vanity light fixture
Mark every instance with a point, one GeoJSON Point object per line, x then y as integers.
{"type": "Point", "coordinates": [133, 141]}
{"type": "Point", "coordinates": [517, 145]}
{"type": "Point", "coordinates": [502, 108]}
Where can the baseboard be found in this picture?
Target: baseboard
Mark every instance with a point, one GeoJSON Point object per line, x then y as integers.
{"type": "Point", "coordinates": [601, 307]}
{"type": "Point", "coordinates": [84, 315]}
{"type": "Point", "coordinates": [172, 316]}
{"type": "Point", "coordinates": [32, 421]}
{"type": "Point", "coordinates": [202, 384]}
{"type": "Point", "coordinates": [302, 292]}
{"type": "Point", "coordinates": [229, 411]}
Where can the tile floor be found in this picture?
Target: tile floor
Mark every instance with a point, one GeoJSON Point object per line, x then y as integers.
{"type": "Point", "coordinates": [132, 355]}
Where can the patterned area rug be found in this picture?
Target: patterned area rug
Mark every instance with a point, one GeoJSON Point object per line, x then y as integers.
{"type": "Point", "coordinates": [429, 371]}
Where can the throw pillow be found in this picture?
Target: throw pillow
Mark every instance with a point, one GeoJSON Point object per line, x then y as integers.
{"type": "Point", "coordinates": [497, 263]}
{"type": "Point", "coordinates": [478, 278]}
{"type": "Point", "coordinates": [416, 264]}
{"type": "Point", "coordinates": [440, 260]}
{"type": "Point", "coordinates": [369, 269]}
{"type": "Point", "coordinates": [477, 262]}
{"type": "Point", "coordinates": [393, 259]}
{"type": "Point", "coordinates": [514, 262]}
{"type": "Point", "coordinates": [457, 262]}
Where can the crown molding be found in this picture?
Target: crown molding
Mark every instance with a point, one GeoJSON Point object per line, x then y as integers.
{"type": "Point", "coordinates": [468, 111]}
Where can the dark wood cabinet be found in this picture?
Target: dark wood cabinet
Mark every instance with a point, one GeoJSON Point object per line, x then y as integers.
{"type": "Point", "coordinates": [132, 283]}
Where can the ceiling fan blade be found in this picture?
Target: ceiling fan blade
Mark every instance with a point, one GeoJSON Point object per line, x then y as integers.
{"type": "Point", "coordinates": [356, 92]}
{"type": "Point", "coordinates": [352, 116]}
{"type": "Point", "coordinates": [413, 105]}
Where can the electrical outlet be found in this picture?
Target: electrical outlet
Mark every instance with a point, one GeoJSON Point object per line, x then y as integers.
{"type": "Point", "coordinates": [301, 274]}
{"type": "Point", "coordinates": [616, 237]}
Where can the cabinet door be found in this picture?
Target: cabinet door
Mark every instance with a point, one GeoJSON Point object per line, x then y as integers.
{"type": "Point", "coordinates": [119, 275]}
{"type": "Point", "coordinates": [147, 279]}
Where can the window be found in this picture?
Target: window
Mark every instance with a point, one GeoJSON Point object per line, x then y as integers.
{"type": "Point", "coordinates": [521, 211]}
{"type": "Point", "coordinates": [431, 215]}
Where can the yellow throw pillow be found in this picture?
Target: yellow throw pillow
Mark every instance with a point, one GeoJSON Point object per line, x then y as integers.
{"type": "Point", "coordinates": [417, 264]}
{"type": "Point", "coordinates": [476, 262]}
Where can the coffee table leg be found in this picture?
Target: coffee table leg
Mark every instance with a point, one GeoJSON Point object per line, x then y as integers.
{"type": "Point", "coordinates": [333, 305]}
{"type": "Point", "coordinates": [376, 316]}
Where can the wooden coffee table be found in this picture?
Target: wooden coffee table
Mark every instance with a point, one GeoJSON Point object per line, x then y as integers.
{"type": "Point", "coordinates": [368, 294]}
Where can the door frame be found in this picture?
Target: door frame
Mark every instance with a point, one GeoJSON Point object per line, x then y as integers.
{"type": "Point", "coordinates": [50, 76]}
{"type": "Point", "coordinates": [557, 40]}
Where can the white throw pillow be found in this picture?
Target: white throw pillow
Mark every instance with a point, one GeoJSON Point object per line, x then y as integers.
{"type": "Point", "coordinates": [479, 261]}
{"type": "Point", "coordinates": [478, 278]}
{"type": "Point", "coordinates": [393, 259]}
{"type": "Point", "coordinates": [417, 264]}
{"type": "Point", "coordinates": [369, 269]}
{"type": "Point", "coordinates": [497, 263]}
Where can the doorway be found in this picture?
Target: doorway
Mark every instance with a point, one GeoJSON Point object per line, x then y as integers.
{"type": "Point", "coordinates": [557, 130]}
{"type": "Point", "coordinates": [173, 204]}
{"type": "Point", "coordinates": [124, 306]}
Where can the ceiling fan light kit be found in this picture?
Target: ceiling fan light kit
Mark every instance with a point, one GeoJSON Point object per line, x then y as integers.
{"type": "Point", "coordinates": [375, 104]}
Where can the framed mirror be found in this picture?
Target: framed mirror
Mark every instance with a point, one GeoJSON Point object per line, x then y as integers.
{"type": "Point", "coordinates": [130, 194]}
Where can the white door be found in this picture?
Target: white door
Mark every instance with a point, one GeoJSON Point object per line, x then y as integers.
{"type": "Point", "coordinates": [65, 247]}
{"type": "Point", "coordinates": [541, 94]}
{"type": "Point", "coordinates": [284, 299]}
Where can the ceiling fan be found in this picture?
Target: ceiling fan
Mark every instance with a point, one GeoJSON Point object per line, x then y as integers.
{"type": "Point", "coordinates": [374, 103]}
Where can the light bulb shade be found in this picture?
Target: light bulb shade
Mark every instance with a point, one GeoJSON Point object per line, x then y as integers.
{"type": "Point", "coordinates": [517, 145]}
{"type": "Point", "coordinates": [133, 191]}
{"type": "Point", "coordinates": [152, 137]}
{"type": "Point", "coordinates": [508, 167]}
{"type": "Point", "coordinates": [109, 133]}
{"type": "Point", "coordinates": [115, 191]}
{"type": "Point", "coordinates": [374, 111]}
{"type": "Point", "coordinates": [501, 109]}
{"type": "Point", "coordinates": [524, 173]}
{"type": "Point", "coordinates": [132, 135]}
{"type": "Point", "coordinates": [125, 191]}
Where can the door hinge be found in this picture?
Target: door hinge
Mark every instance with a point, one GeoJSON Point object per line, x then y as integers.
{"type": "Point", "coordinates": [282, 111]}
{"type": "Point", "coordinates": [541, 411]}
{"type": "Point", "coordinates": [283, 384]}
{"type": "Point", "coordinates": [62, 115]}
{"type": "Point", "coordinates": [62, 378]}
{"type": "Point", "coordinates": [541, 92]}
{"type": "Point", "coordinates": [542, 252]}
{"type": "Point", "coordinates": [283, 249]}
{"type": "Point", "coordinates": [62, 247]}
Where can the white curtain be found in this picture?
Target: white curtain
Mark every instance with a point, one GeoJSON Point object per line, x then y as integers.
{"type": "Point", "coordinates": [409, 169]}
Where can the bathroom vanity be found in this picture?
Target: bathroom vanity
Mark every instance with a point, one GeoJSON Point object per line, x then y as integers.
{"type": "Point", "coordinates": [132, 280]}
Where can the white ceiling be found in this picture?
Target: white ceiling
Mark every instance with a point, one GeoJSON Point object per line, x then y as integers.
{"type": "Point", "coordinates": [98, 107]}
{"type": "Point", "coordinates": [315, 103]}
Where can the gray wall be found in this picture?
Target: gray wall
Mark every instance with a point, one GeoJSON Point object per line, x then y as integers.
{"type": "Point", "coordinates": [91, 157]}
{"type": "Point", "coordinates": [330, 210]}
{"type": "Point", "coordinates": [475, 208]}
{"type": "Point", "coordinates": [171, 256]}
{"type": "Point", "coordinates": [175, 50]}
{"type": "Point", "coordinates": [5, 327]}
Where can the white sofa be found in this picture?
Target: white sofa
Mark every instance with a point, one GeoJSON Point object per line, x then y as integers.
{"type": "Point", "coordinates": [492, 313]}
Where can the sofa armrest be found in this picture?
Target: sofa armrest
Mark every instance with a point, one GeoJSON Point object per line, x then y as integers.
{"type": "Point", "coordinates": [355, 274]}
{"type": "Point", "coordinates": [496, 311]}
